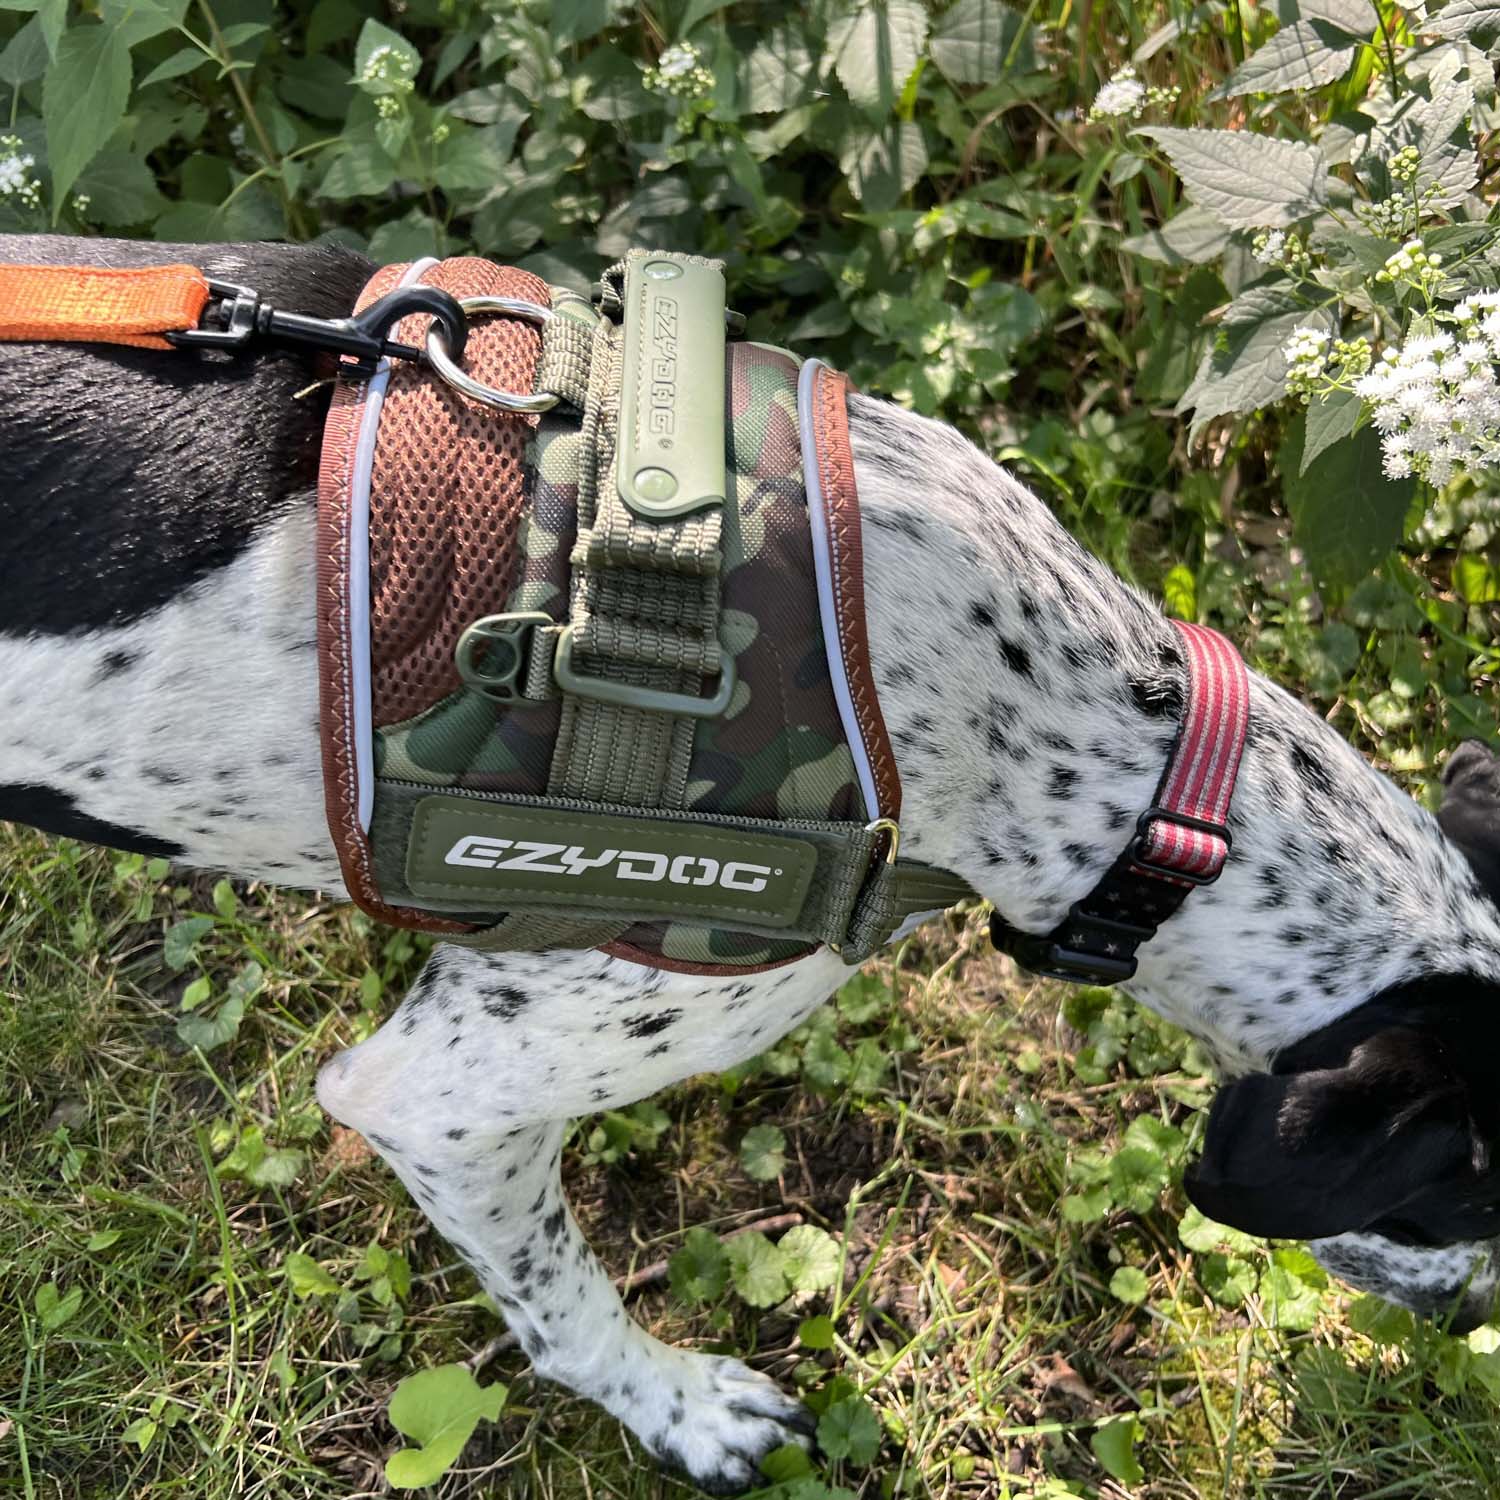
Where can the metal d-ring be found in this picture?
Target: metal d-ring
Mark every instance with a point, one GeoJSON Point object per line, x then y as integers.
{"type": "Point", "coordinates": [893, 828]}
{"type": "Point", "coordinates": [441, 359]}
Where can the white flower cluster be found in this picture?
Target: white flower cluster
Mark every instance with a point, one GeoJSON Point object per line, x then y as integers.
{"type": "Point", "coordinates": [1436, 402]}
{"type": "Point", "coordinates": [1306, 355]}
{"type": "Point", "coordinates": [1125, 96]}
{"type": "Point", "coordinates": [16, 180]}
{"type": "Point", "coordinates": [1275, 247]}
{"type": "Point", "coordinates": [1413, 265]}
{"type": "Point", "coordinates": [680, 73]}
{"type": "Point", "coordinates": [389, 74]}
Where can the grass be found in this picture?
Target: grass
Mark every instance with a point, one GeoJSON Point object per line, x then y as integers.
{"type": "Point", "coordinates": [974, 1310]}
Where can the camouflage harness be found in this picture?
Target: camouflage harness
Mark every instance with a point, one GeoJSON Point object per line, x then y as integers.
{"type": "Point", "coordinates": [593, 665]}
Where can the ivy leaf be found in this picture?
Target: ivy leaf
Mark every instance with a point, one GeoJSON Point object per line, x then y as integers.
{"type": "Point", "coordinates": [307, 1277]}
{"type": "Point", "coordinates": [1305, 55]}
{"type": "Point", "coordinates": [874, 49]}
{"type": "Point", "coordinates": [1329, 418]}
{"type": "Point", "coordinates": [758, 1269]}
{"type": "Point", "coordinates": [849, 1429]}
{"type": "Point", "coordinates": [815, 1333]}
{"type": "Point", "coordinates": [976, 41]}
{"type": "Point", "coordinates": [182, 937]}
{"type": "Point", "coordinates": [1227, 1279]}
{"type": "Point", "coordinates": [810, 1257]}
{"type": "Point", "coordinates": [1247, 181]}
{"type": "Point", "coordinates": [1114, 1446]}
{"type": "Point", "coordinates": [1137, 1178]}
{"type": "Point", "coordinates": [699, 1271]}
{"type": "Point", "coordinates": [84, 95]}
{"type": "Point", "coordinates": [763, 1153]}
{"type": "Point", "coordinates": [1346, 515]}
{"type": "Point", "coordinates": [1129, 1284]}
{"type": "Point", "coordinates": [438, 1409]}
{"type": "Point", "coordinates": [54, 1309]}
{"type": "Point", "coordinates": [1198, 1232]}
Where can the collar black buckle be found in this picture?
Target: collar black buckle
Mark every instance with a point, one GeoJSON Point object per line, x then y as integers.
{"type": "Point", "coordinates": [1159, 814]}
{"type": "Point", "coordinates": [1067, 953]}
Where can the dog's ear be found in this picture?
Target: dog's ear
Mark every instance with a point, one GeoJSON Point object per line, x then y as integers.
{"type": "Point", "coordinates": [1384, 1134]}
{"type": "Point", "coordinates": [1470, 814]}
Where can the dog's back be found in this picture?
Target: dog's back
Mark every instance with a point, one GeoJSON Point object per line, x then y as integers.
{"type": "Point", "coordinates": [156, 625]}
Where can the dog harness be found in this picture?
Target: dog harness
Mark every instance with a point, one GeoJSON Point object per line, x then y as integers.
{"type": "Point", "coordinates": [593, 659]}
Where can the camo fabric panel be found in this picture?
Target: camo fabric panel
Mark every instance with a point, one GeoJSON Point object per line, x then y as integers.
{"type": "Point", "coordinates": [779, 751]}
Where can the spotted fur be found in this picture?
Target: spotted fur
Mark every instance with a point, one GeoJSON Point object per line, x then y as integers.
{"type": "Point", "coordinates": [1031, 697]}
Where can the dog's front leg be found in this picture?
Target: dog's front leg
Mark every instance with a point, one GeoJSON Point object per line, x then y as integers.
{"type": "Point", "coordinates": [466, 1091]}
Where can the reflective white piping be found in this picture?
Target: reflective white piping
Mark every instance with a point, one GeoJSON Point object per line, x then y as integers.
{"type": "Point", "coordinates": [823, 569]}
{"type": "Point", "coordinates": [359, 570]}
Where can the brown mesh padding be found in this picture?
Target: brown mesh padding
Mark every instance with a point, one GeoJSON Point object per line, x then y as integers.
{"type": "Point", "coordinates": [447, 495]}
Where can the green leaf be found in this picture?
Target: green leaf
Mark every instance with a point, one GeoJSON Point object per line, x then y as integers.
{"type": "Point", "coordinates": [881, 166]}
{"type": "Point", "coordinates": [699, 1271]}
{"type": "Point", "coordinates": [141, 1432]}
{"type": "Point", "coordinates": [136, 21]}
{"type": "Point", "coordinates": [1192, 237]}
{"type": "Point", "coordinates": [1179, 592]}
{"type": "Point", "coordinates": [578, 20]}
{"type": "Point", "coordinates": [1246, 181]}
{"type": "Point", "coordinates": [824, 1062]}
{"type": "Point", "coordinates": [976, 41]}
{"type": "Point", "coordinates": [372, 37]}
{"type": "Point", "coordinates": [1227, 1279]}
{"type": "Point", "coordinates": [810, 1257]}
{"type": "Point", "coordinates": [1136, 1178]}
{"type": "Point", "coordinates": [84, 95]}
{"type": "Point", "coordinates": [779, 72]}
{"type": "Point", "coordinates": [1147, 1133]}
{"type": "Point", "coordinates": [226, 903]}
{"type": "Point", "coordinates": [179, 64]}
{"type": "Point", "coordinates": [868, 1066]}
{"type": "Point", "coordinates": [1088, 1206]}
{"type": "Point", "coordinates": [1129, 1284]}
{"type": "Point", "coordinates": [874, 48]}
{"type": "Point", "coordinates": [1329, 418]}
{"type": "Point", "coordinates": [1114, 1446]}
{"type": "Point", "coordinates": [699, 10]}
{"type": "Point", "coordinates": [1346, 515]}
{"type": "Point", "coordinates": [307, 1277]}
{"type": "Point", "coordinates": [849, 1429]}
{"type": "Point", "coordinates": [758, 1269]}
{"type": "Point", "coordinates": [815, 1333]}
{"type": "Point", "coordinates": [763, 1153]}
{"type": "Point", "coordinates": [438, 1409]}
{"type": "Point", "coordinates": [1198, 1232]}
{"type": "Point", "coordinates": [207, 1031]}
{"type": "Point", "coordinates": [55, 1310]}
{"type": "Point", "coordinates": [259, 1163]}
{"type": "Point", "coordinates": [863, 998]}
{"type": "Point", "coordinates": [1246, 368]}
{"type": "Point", "coordinates": [1477, 21]}
{"type": "Point", "coordinates": [197, 992]}
{"type": "Point", "coordinates": [182, 938]}
{"type": "Point", "coordinates": [1290, 1302]}
{"type": "Point", "coordinates": [1476, 579]}
{"type": "Point", "coordinates": [102, 1239]}
{"type": "Point", "coordinates": [25, 56]}
{"type": "Point", "coordinates": [1305, 55]}
{"type": "Point", "coordinates": [121, 190]}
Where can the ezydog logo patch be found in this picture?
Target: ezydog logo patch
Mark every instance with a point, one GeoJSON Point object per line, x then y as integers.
{"type": "Point", "coordinates": [642, 867]}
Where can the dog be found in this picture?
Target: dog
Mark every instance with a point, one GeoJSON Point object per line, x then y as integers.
{"type": "Point", "coordinates": [158, 692]}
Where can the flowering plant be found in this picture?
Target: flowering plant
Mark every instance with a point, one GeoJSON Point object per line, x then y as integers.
{"type": "Point", "coordinates": [1359, 264]}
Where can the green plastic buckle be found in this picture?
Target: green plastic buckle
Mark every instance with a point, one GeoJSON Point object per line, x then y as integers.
{"type": "Point", "coordinates": [670, 458]}
{"type": "Point", "coordinates": [491, 654]}
{"type": "Point", "coordinates": [658, 700]}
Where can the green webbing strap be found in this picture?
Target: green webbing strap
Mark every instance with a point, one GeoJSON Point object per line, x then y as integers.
{"type": "Point", "coordinates": [560, 866]}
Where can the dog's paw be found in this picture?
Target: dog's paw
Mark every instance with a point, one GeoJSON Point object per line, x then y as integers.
{"type": "Point", "coordinates": [723, 1419]}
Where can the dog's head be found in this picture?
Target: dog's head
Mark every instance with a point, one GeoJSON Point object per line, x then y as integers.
{"type": "Point", "coordinates": [1378, 1137]}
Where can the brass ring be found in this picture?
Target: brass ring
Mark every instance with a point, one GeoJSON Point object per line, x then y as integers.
{"type": "Point", "coordinates": [892, 827]}
{"type": "Point", "coordinates": [466, 385]}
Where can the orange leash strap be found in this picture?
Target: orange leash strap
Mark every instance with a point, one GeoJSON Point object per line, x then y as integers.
{"type": "Point", "coordinates": [93, 305]}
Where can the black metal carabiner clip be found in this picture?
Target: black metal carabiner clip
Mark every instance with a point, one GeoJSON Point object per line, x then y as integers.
{"type": "Point", "coordinates": [239, 318]}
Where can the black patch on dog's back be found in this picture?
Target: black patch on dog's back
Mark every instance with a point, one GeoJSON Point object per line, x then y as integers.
{"type": "Point", "coordinates": [56, 812]}
{"type": "Point", "coordinates": [131, 474]}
